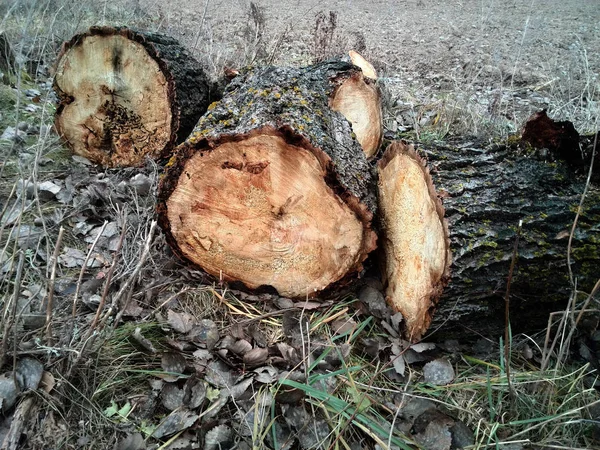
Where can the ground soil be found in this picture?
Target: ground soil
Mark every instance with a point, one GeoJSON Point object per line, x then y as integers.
{"type": "Point", "coordinates": [503, 58]}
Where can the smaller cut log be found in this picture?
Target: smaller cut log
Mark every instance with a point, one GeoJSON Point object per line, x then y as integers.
{"type": "Point", "coordinates": [127, 95]}
{"type": "Point", "coordinates": [415, 240]}
{"type": "Point", "coordinates": [358, 98]}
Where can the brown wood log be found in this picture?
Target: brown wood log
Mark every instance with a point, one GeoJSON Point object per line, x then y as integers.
{"type": "Point", "coordinates": [486, 191]}
{"type": "Point", "coordinates": [272, 188]}
{"type": "Point", "coordinates": [127, 95]}
{"type": "Point", "coordinates": [414, 237]}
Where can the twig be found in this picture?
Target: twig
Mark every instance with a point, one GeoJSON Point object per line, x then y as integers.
{"type": "Point", "coordinates": [11, 320]}
{"type": "Point", "coordinates": [564, 350]}
{"type": "Point", "coordinates": [507, 310]}
{"type": "Point", "coordinates": [80, 279]}
{"type": "Point", "coordinates": [580, 208]}
{"type": "Point", "coordinates": [201, 25]}
{"type": "Point", "coordinates": [82, 271]}
{"type": "Point", "coordinates": [50, 302]}
{"type": "Point", "coordinates": [109, 276]}
{"type": "Point", "coordinates": [134, 275]}
{"type": "Point", "coordinates": [20, 418]}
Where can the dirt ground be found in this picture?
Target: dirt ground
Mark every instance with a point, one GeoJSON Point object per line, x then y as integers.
{"type": "Point", "coordinates": [489, 59]}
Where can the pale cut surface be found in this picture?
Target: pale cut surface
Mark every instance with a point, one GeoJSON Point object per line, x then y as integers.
{"type": "Point", "coordinates": [416, 241]}
{"type": "Point", "coordinates": [359, 102]}
{"type": "Point", "coordinates": [259, 211]}
{"type": "Point", "coordinates": [366, 67]}
{"type": "Point", "coordinates": [121, 107]}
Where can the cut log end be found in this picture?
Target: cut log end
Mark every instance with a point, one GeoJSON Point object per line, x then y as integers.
{"type": "Point", "coordinates": [126, 95]}
{"type": "Point", "coordinates": [258, 210]}
{"type": "Point", "coordinates": [366, 67]}
{"type": "Point", "coordinates": [416, 241]}
{"type": "Point", "coordinates": [358, 99]}
{"type": "Point", "coordinates": [115, 117]}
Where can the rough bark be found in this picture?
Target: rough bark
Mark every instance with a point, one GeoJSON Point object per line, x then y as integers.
{"type": "Point", "coordinates": [414, 238]}
{"type": "Point", "coordinates": [487, 191]}
{"type": "Point", "coordinates": [7, 59]}
{"type": "Point", "coordinates": [272, 188]}
{"type": "Point", "coordinates": [126, 95]}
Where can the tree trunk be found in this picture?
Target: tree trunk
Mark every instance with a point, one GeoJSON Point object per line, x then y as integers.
{"type": "Point", "coordinates": [126, 95]}
{"type": "Point", "coordinates": [272, 188]}
{"type": "Point", "coordinates": [487, 192]}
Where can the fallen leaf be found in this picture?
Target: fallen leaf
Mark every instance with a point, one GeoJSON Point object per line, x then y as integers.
{"type": "Point", "coordinates": [240, 347]}
{"type": "Point", "coordinates": [195, 393]}
{"type": "Point", "coordinates": [175, 422]}
{"type": "Point", "coordinates": [219, 374]}
{"type": "Point", "coordinates": [133, 441]}
{"type": "Point", "coordinates": [205, 333]}
{"type": "Point", "coordinates": [180, 322]}
{"type": "Point", "coordinates": [171, 396]}
{"type": "Point", "coordinates": [174, 364]}
{"type": "Point", "coordinates": [240, 388]}
{"type": "Point", "coordinates": [48, 382]}
{"type": "Point", "coordinates": [143, 341]}
{"type": "Point", "coordinates": [218, 437]}
{"type": "Point", "coordinates": [256, 357]}
{"type": "Point", "coordinates": [266, 374]}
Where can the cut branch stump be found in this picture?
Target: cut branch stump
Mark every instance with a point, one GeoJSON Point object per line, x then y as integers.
{"type": "Point", "coordinates": [414, 238]}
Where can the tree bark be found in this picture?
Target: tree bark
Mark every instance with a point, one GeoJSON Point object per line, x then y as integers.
{"type": "Point", "coordinates": [7, 59]}
{"type": "Point", "coordinates": [272, 188]}
{"type": "Point", "coordinates": [126, 95]}
{"type": "Point", "coordinates": [487, 191]}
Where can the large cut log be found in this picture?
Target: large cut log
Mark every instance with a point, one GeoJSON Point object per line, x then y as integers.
{"type": "Point", "coordinates": [127, 95]}
{"type": "Point", "coordinates": [272, 188]}
{"type": "Point", "coordinates": [414, 237]}
{"type": "Point", "coordinates": [487, 191]}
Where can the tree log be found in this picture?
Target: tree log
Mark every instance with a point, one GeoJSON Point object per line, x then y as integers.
{"type": "Point", "coordinates": [272, 188]}
{"type": "Point", "coordinates": [487, 191]}
{"type": "Point", "coordinates": [126, 95]}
